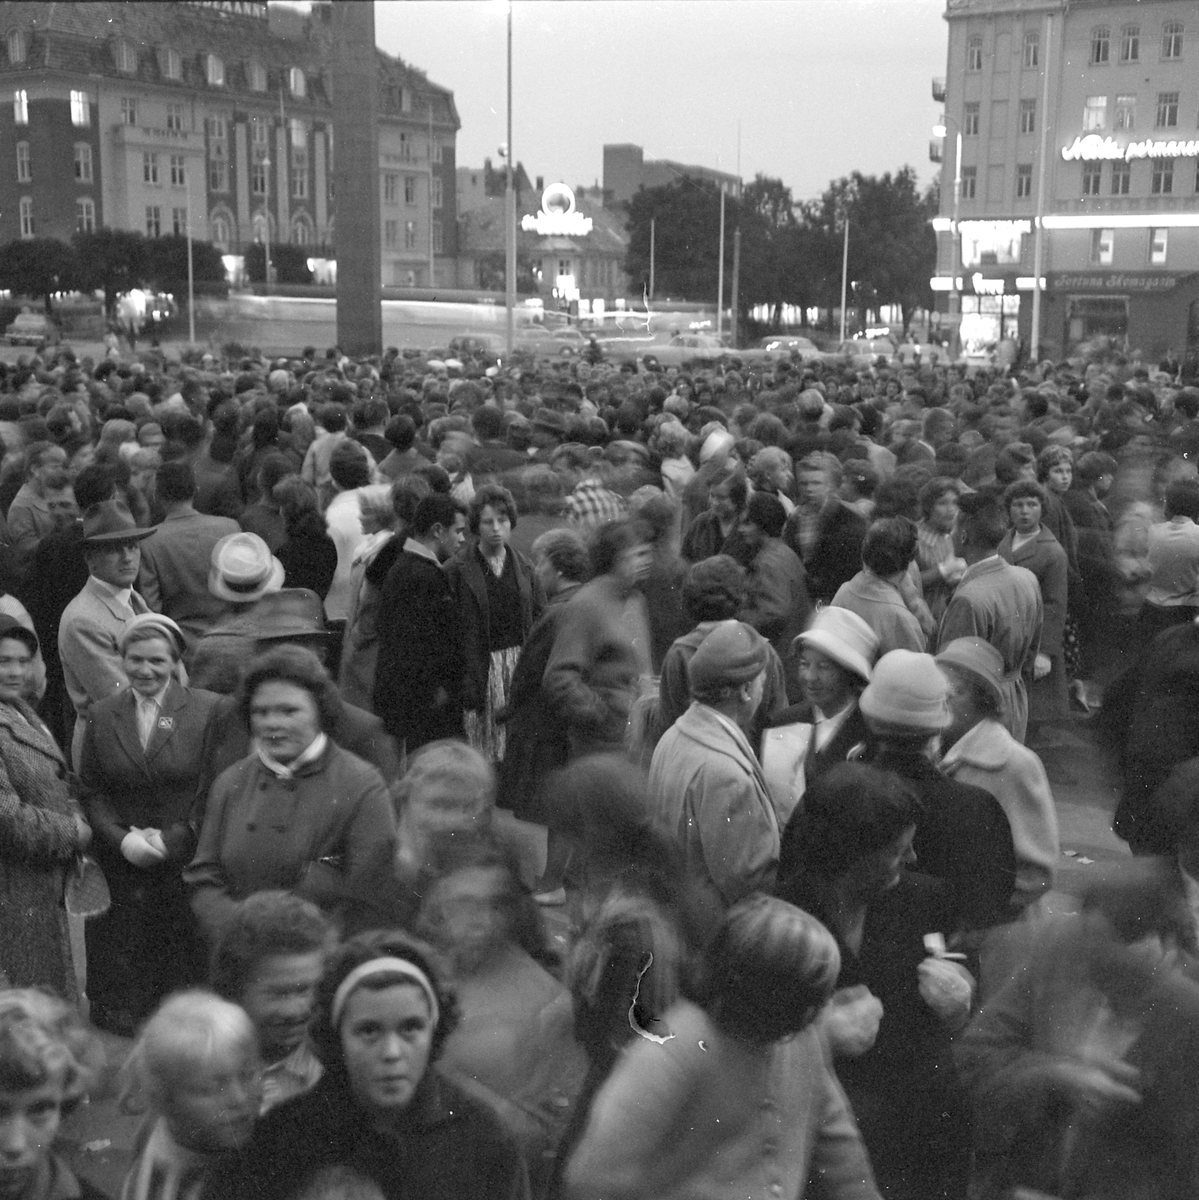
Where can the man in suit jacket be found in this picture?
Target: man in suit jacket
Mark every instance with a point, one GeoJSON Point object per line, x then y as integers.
{"type": "Point", "coordinates": [418, 679]}
{"type": "Point", "coordinates": [826, 533]}
{"type": "Point", "coordinates": [177, 556]}
{"type": "Point", "coordinates": [91, 625]}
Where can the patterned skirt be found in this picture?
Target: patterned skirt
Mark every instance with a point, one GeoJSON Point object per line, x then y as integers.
{"type": "Point", "coordinates": [483, 731]}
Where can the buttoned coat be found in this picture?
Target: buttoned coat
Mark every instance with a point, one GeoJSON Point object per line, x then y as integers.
{"type": "Point", "coordinates": [881, 606]}
{"type": "Point", "coordinates": [1001, 604]}
{"type": "Point", "coordinates": [39, 839]}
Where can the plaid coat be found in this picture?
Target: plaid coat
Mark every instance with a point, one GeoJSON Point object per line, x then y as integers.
{"type": "Point", "coordinates": [38, 841]}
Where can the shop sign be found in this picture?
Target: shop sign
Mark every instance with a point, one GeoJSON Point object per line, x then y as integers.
{"type": "Point", "coordinates": [558, 215]}
{"type": "Point", "coordinates": [234, 8]}
{"type": "Point", "coordinates": [1112, 281]}
{"type": "Point", "coordinates": [1091, 147]}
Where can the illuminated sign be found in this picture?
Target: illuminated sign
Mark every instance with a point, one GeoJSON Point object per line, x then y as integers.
{"type": "Point", "coordinates": [1092, 147]}
{"type": "Point", "coordinates": [234, 8]}
{"type": "Point", "coordinates": [1113, 281]}
{"type": "Point", "coordinates": [558, 215]}
{"type": "Point", "coordinates": [986, 287]}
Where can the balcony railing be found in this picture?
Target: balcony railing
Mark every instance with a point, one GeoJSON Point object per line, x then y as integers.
{"type": "Point", "coordinates": [939, 90]}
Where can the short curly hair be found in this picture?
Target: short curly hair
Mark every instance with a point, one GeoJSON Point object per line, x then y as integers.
{"type": "Point", "coordinates": [363, 948]}
{"type": "Point", "coordinates": [714, 589]}
{"type": "Point", "coordinates": [1025, 488]}
{"type": "Point", "coordinates": [42, 1038]}
{"type": "Point", "coordinates": [1050, 457]}
{"type": "Point", "coordinates": [297, 665]}
{"type": "Point", "coordinates": [497, 497]}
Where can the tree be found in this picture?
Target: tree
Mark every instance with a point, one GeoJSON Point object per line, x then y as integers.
{"type": "Point", "coordinates": [37, 267]}
{"type": "Point", "coordinates": [289, 264]}
{"type": "Point", "coordinates": [165, 264]}
{"type": "Point", "coordinates": [110, 259]}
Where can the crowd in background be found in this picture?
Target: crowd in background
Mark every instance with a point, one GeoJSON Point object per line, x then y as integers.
{"type": "Point", "coordinates": [561, 778]}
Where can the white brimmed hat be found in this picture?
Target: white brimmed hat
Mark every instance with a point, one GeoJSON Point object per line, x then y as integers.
{"type": "Point", "coordinates": [243, 569]}
{"type": "Point", "coordinates": [908, 693]}
{"type": "Point", "coordinates": [844, 637]}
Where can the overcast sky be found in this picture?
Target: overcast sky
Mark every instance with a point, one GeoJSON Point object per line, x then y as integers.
{"type": "Point", "coordinates": [821, 87]}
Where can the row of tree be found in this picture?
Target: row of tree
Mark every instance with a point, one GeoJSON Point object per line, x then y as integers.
{"type": "Point", "coordinates": [791, 251]}
{"type": "Point", "coordinates": [109, 260]}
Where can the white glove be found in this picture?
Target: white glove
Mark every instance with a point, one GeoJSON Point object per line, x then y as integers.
{"type": "Point", "coordinates": [952, 569]}
{"type": "Point", "coordinates": [154, 837]}
{"type": "Point", "coordinates": [851, 1019]}
{"type": "Point", "coordinates": [138, 850]}
{"type": "Point", "coordinates": [947, 988]}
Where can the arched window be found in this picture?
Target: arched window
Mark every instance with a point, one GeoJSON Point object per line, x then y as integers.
{"type": "Point", "coordinates": [16, 46]}
{"type": "Point", "coordinates": [261, 225]}
{"type": "Point", "coordinates": [301, 232]}
{"type": "Point", "coordinates": [297, 83]}
{"type": "Point", "coordinates": [126, 57]}
{"type": "Point", "coordinates": [221, 230]}
{"type": "Point", "coordinates": [215, 71]}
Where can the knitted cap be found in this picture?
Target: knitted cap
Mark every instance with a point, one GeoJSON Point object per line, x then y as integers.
{"type": "Point", "coordinates": [907, 693]}
{"type": "Point", "coordinates": [732, 654]}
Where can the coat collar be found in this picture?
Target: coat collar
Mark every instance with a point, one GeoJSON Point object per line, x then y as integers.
{"type": "Point", "coordinates": [984, 746]}
{"type": "Point", "coordinates": [30, 731]}
{"type": "Point", "coordinates": [107, 596]}
{"type": "Point", "coordinates": [173, 699]}
{"type": "Point", "coordinates": [1028, 549]}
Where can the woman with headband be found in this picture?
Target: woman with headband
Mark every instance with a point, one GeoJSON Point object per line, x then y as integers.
{"type": "Point", "coordinates": [382, 1107]}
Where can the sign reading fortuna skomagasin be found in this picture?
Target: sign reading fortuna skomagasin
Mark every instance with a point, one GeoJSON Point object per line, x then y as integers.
{"type": "Point", "coordinates": [558, 214]}
{"type": "Point", "coordinates": [1091, 147]}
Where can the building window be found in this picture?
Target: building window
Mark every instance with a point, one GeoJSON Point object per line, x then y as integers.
{"type": "Point", "coordinates": [259, 131]}
{"type": "Point", "coordinates": [1172, 39]}
{"type": "Point", "coordinates": [405, 99]}
{"type": "Point", "coordinates": [1032, 48]}
{"type": "Point", "coordinates": [149, 167]}
{"type": "Point", "coordinates": [409, 235]}
{"type": "Point", "coordinates": [171, 63]}
{"type": "Point", "coordinates": [126, 57]}
{"type": "Point", "coordinates": [20, 108]}
{"type": "Point", "coordinates": [178, 178]}
{"type": "Point", "coordinates": [1023, 181]}
{"type": "Point", "coordinates": [1158, 244]}
{"type": "Point", "coordinates": [1126, 112]}
{"type": "Point", "coordinates": [1102, 245]}
{"type": "Point", "coordinates": [218, 154]}
{"type": "Point", "coordinates": [299, 132]}
{"type": "Point", "coordinates": [1094, 113]}
{"type": "Point", "coordinates": [391, 187]}
{"type": "Point", "coordinates": [1028, 116]}
{"type": "Point", "coordinates": [1101, 39]}
{"type": "Point", "coordinates": [299, 173]}
{"type": "Point", "coordinates": [81, 109]}
{"type": "Point", "coordinates": [974, 53]}
{"type": "Point", "coordinates": [24, 167]}
{"type": "Point", "coordinates": [1167, 110]}
{"type": "Point", "coordinates": [438, 238]}
{"type": "Point", "coordinates": [85, 215]}
{"type": "Point", "coordinates": [1130, 43]}
{"type": "Point", "coordinates": [301, 234]}
{"type": "Point", "coordinates": [153, 221]}
{"type": "Point", "coordinates": [1163, 177]}
{"type": "Point", "coordinates": [215, 71]}
{"type": "Point", "coordinates": [128, 110]}
{"type": "Point", "coordinates": [179, 222]}
{"type": "Point", "coordinates": [969, 182]}
{"type": "Point", "coordinates": [258, 177]}
{"type": "Point", "coordinates": [257, 74]}
{"type": "Point", "coordinates": [16, 47]}
{"type": "Point", "coordinates": [1092, 178]}
{"type": "Point", "coordinates": [83, 163]}
{"type": "Point", "coordinates": [409, 189]}
{"type": "Point", "coordinates": [970, 120]}
{"type": "Point", "coordinates": [297, 83]}
{"type": "Point", "coordinates": [1121, 177]}
{"type": "Point", "coordinates": [175, 117]}
{"type": "Point", "coordinates": [261, 224]}
{"type": "Point", "coordinates": [1197, 177]}
{"type": "Point", "coordinates": [391, 234]}
{"type": "Point", "coordinates": [437, 192]}
{"type": "Point", "coordinates": [436, 151]}
{"type": "Point", "coordinates": [26, 211]}
{"type": "Point", "coordinates": [221, 230]}
{"type": "Point", "coordinates": [405, 147]}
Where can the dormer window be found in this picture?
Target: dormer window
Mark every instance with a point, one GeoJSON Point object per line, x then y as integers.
{"type": "Point", "coordinates": [257, 75]}
{"type": "Point", "coordinates": [126, 57]}
{"type": "Point", "coordinates": [16, 46]}
{"type": "Point", "coordinates": [171, 62]}
{"type": "Point", "coordinates": [297, 83]}
{"type": "Point", "coordinates": [215, 71]}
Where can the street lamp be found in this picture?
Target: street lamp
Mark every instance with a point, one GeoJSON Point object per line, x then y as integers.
{"type": "Point", "coordinates": [509, 206]}
{"type": "Point", "coordinates": [955, 296]}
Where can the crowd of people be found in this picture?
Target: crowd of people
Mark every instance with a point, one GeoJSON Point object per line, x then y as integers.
{"type": "Point", "coordinates": [567, 779]}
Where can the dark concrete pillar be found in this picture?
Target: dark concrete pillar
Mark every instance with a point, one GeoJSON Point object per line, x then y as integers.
{"type": "Point", "coordinates": [356, 177]}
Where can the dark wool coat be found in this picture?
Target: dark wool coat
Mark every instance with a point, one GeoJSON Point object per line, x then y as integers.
{"type": "Point", "coordinates": [419, 653]}
{"type": "Point", "coordinates": [38, 842]}
{"type": "Point", "coordinates": [470, 591]}
{"type": "Point", "coordinates": [837, 555]}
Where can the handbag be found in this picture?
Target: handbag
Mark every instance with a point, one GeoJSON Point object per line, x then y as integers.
{"type": "Point", "coordinates": [86, 893]}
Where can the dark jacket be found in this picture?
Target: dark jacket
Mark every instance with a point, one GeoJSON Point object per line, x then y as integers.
{"type": "Point", "coordinates": [703, 539]}
{"type": "Point", "coordinates": [836, 556]}
{"type": "Point", "coordinates": [449, 1147]}
{"type": "Point", "coordinates": [470, 593]}
{"type": "Point", "coordinates": [418, 677]}
{"type": "Point", "coordinates": [309, 557]}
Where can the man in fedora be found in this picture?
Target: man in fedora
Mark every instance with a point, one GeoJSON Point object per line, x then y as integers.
{"type": "Point", "coordinates": [91, 625]}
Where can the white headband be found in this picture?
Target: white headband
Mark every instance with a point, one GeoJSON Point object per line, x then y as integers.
{"type": "Point", "coordinates": [383, 966]}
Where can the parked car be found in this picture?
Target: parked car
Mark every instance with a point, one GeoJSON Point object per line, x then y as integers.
{"type": "Point", "coordinates": [468, 344]}
{"type": "Point", "coordinates": [783, 345]}
{"type": "Point", "coordinates": [867, 351]}
{"type": "Point", "coordinates": [688, 347]}
{"type": "Point", "coordinates": [32, 329]}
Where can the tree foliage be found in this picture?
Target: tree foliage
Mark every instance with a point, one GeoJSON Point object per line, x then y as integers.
{"type": "Point", "coordinates": [37, 267]}
{"type": "Point", "coordinates": [111, 260]}
{"type": "Point", "coordinates": [790, 252]}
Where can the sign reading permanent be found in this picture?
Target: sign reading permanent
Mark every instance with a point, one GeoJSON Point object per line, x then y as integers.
{"type": "Point", "coordinates": [1112, 281]}
{"type": "Point", "coordinates": [558, 214]}
{"type": "Point", "coordinates": [1092, 147]}
{"type": "Point", "coordinates": [234, 8]}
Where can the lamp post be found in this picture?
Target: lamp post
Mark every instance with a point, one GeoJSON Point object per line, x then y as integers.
{"type": "Point", "coordinates": [509, 209]}
{"type": "Point", "coordinates": [955, 295]}
{"type": "Point", "coordinates": [266, 223]}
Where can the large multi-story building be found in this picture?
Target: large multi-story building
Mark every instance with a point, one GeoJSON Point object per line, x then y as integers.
{"type": "Point", "coordinates": [216, 116]}
{"type": "Point", "coordinates": [627, 170]}
{"type": "Point", "coordinates": [1079, 118]}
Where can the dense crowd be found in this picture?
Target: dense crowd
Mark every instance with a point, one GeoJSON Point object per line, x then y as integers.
{"type": "Point", "coordinates": [569, 779]}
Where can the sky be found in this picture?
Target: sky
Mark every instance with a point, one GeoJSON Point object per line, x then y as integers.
{"type": "Point", "coordinates": [820, 87]}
